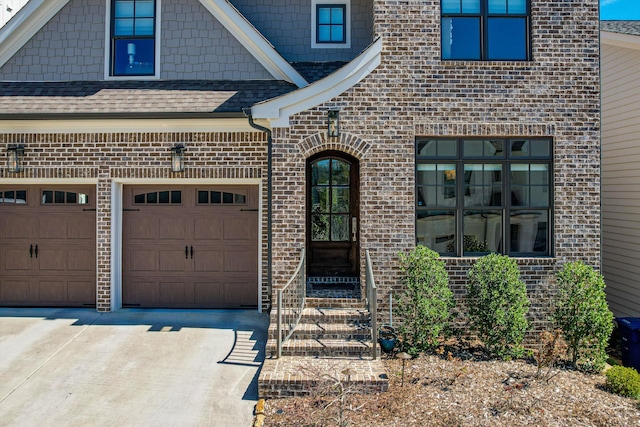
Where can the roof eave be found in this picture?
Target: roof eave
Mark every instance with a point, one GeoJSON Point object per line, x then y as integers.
{"type": "Point", "coordinates": [121, 115]}
{"type": "Point", "coordinates": [628, 41]}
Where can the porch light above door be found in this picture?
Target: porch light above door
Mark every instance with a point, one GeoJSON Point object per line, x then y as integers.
{"type": "Point", "coordinates": [333, 123]}
{"type": "Point", "coordinates": [15, 155]}
{"type": "Point", "coordinates": [177, 158]}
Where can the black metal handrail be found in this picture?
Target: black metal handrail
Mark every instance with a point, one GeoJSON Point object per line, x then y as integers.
{"type": "Point", "coordinates": [290, 303]}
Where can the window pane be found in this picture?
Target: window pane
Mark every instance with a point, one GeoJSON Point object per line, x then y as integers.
{"type": "Point", "coordinates": [134, 57]}
{"type": "Point", "coordinates": [483, 148]}
{"type": "Point", "coordinates": [320, 227]}
{"type": "Point", "coordinates": [470, 6]}
{"type": "Point", "coordinates": [539, 174]}
{"type": "Point", "coordinates": [163, 197]}
{"type": "Point", "coordinates": [203, 197]}
{"type": "Point", "coordinates": [507, 38]}
{"type": "Point", "coordinates": [124, 9]}
{"type": "Point", "coordinates": [540, 147]}
{"type": "Point", "coordinates": [337, 33]}
{"type": "Point", "coordinates": [460, 38]}
{"type": "Point", "coordinates": [123, 27]}
{"type": "Point", "coordinates": [319, 199]}
{"type": "Point", "coordinates": [21, 196]}
{"type": "Point", "coordinates": [324, 15]}
{"type": "Point", "coordinates": [528, 231]}
{"type": "Point", "coordinates": [337, 15]}
{"type": "Point", "coordinates": [540, 196]}
{"type": "Point", "coordinates": [59, 197]}
{"type": "Point", "coordinates": [227, 197]}
{"type": "Point", "coordinates": [176, 197]}
{"type": "Point", "coordinates": [339, 228]}
{"type": "Point", "coordinates": [447, 148]}
{"type": "Point", "coordinates": [519, 148]}
{"type": "Point", "coordinates": [482, 231]}
{"type": "Point", "coordinates": [436, 230]}
{"type": "Point", "coordinates": [72, 198]}
{"type": "Point", "coordinates": [324, 33]}
{"type": "Point", "coordinates": [497, 6]}
{"type": "Point", "coordinates": [152, 197]}
{"type": "Point", "coordinates": [450, 6]}
{"type": "Point", "coordinates": [239, 199]}
{"type": "Point", "coordinates": [340, 202]}
{"type": "Point", "coordinates": [320, 172]}
{"type": "Point", "coordinates": [340, 172]}
{"type": "Point", "coordinates": [216, 197]}
{"type": "Point", "coordinates": [144, 27]}
{"type": "Point", "coordinates": [139, 198]}
{"type": "Point", "coordinates": [517, 6]}
{"type": "Point", "coordinates": [144, 8]}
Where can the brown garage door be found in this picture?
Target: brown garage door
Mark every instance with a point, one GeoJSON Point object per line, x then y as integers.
{"type": "Point", "coordinates": [191, 247]}
{"type": "Point", "coordinates": [47, 246]}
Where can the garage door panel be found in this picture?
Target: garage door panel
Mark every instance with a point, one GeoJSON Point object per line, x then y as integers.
{"type": "Point", "coordinates": [208, 228]}
{"type": "Point", "coordinates": [82, 292]}
{"type": "Point", "coordinates": [175, 293]}
{"type": "Point", "coordinates": [143, 228]}
{"type": "Point", "coordinates": [239, 294]}
{"type": "Point", "coordinates": [16, 259]}
{"type": "Point", "coordinates": [18, 224]}
{"type": "Point", "coordinates": [239, 228]}
{"type": "Point", "coordinates": [53, 227]}
{"type": "Point", "coordinates": [52, 291]}
{"type": "Point", "coordinates": [52, 259]}
{"type": "Point", "coordinates": [143, 260]}
{"type": "Point", "coordinates": [239, 261]}
{"type": "Point", "coordinates": [209, 294]}
{"type": "Point", "coordinates": [172, 228]}
{"type": "Point", "coordinates": [208, 261]}
{"type": "Point", "coordinates": [81, 260]}
{"type": "Point", "coordinates": [13, 290]}
{"type": "Point", "coordinates": [172, 260]}
{"type": "Point", "coordinates": [81, 227]}
{"type": "Point", "coordinates": [143, 292]}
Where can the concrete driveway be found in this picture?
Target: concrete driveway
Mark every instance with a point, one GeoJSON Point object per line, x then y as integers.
{"type": "Point", "coordinates": [77, 367]}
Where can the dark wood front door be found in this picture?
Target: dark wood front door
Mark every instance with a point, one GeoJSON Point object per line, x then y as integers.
{"type": "Point", "coordinates": [332, 215]}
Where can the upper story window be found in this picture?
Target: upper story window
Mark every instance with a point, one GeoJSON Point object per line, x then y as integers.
{"type": "Point", "coordinates": [476, 196]}
{"type": "Point", "coordinates": [133, 38]}
{"type": "Point", "coordinates": [331, 23]}
{"type": "Point", "coordinates": [489, 30]}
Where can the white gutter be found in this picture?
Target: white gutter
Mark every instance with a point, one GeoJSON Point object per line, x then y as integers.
{"type": "Point", "coordinates": [253, 41]}
{"type": "Point", "coordinates": [25, 24]}
{"type": "Point", "coordinates": [621, 40]}
{"type": "Point", "coordinates": [279, 110]}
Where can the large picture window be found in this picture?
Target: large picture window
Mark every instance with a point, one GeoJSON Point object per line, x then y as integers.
{"type": "Point", "coordinates": [477, 196]}
{"type": "Point", "coordinates": [133, 37]}
{"type": "Point", "coordinates": [496, 30]}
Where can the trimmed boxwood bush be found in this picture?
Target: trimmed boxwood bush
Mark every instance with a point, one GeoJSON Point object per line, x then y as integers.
{"type": "Point", "coordinates": [498, 304]}
{"type": "Point", "coordinates": [581, 311]}
{"type": "Point", "coordinates": [424, 308]}
{"type": "Point", "coordinates": [623, 381]}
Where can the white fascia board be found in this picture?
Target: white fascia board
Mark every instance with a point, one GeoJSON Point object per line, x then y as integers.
{"type": "Point", "coordinates": [127, 125]}
{"type": "Point", "coordinates": [25, 24]}
{"type": "Point", "coordinates": [628, 41]}
{"type": "Point", "coordinates": [279, 110]}
{"type": "Point", "coordinates": [253, 41]}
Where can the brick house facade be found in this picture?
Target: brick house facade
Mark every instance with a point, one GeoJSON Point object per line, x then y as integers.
{"type": "Point", "coordinates": [394, 88]}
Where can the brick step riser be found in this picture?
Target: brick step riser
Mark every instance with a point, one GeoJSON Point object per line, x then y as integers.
{"type": "Point", "coordinates": [329, 353]}
{"type": "Point", "coordinates": [280, 389]}
{"type": "Point", "coordinates": [315, 303]}
{"type": "Point", "coordinates": [337, 329]}
{"type": "Point", "coordinates": [327, 335]}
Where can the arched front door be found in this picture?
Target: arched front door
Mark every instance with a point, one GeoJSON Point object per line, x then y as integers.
{"type": "Point", "coordinates": [332, 215]}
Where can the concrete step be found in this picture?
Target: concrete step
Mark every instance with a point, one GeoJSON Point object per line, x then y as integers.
{"type": "Point", "coordinates": [356, 303]}
{"type": "Point", "coordinates": [304, 376]}
{"type": "Point", "coordinates": [321, 348]}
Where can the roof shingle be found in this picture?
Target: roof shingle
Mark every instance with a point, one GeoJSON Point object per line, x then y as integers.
{"type": "Point", "coordinates": [621, 27]}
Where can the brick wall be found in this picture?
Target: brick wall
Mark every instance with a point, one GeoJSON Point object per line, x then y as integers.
{"type": "Point", "coordinates": [414, 93]}
{"type": "Point", "coordinates": [105, 157]}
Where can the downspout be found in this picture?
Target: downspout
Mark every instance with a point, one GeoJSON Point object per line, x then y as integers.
{"type": "Point", "coordinates": [247, 112]}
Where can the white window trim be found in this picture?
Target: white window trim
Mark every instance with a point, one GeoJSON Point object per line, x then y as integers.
{"type": "Point", "coordinates": [314, 21]}
{"type": "Point", "coordinates": [107, 47]}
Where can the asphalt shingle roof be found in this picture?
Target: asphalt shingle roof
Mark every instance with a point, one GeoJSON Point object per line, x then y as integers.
{"type": "Point", "coordinates": [622, 27]}
{"type": "Point", "coordinates": [136, 97]}
{"type": "Point", "coordinates": [314, 71]}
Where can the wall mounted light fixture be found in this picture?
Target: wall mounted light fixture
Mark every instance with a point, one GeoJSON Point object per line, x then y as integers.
{"type": "Point", "coordinates": [333, 123]}
{"type": "Point", "coordinates": [15, 155]}
{"type": "Point", "coordinates": [177, 158]}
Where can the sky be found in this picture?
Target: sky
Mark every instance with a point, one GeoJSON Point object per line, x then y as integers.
{"type": "Point", "coordinates": [619, 9]}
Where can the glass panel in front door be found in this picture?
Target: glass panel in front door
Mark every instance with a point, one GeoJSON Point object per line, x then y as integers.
{"type": "Point", "coordinates": [330, 200]}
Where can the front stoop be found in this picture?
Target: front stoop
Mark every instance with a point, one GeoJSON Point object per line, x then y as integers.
{"type": "Point", "coordinates": [333, 334]}
{"type": "Point", "coordinates": [304, 376]}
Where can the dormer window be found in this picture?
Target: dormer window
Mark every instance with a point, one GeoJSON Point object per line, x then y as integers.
{"type": "Point", "coordinates": [133, 38]}
{"type": "Point", "coordinates": [331, 24]}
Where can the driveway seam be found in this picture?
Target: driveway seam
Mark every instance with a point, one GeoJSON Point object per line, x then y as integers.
{"type": "Point", "coordinates": [55, 353]}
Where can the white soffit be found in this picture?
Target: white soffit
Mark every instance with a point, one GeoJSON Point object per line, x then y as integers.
{"type": "Point", "coordinates": [620, 40]}
{"type": "Point", "coordinates": [25, 24]}
{"type": "Point", "coordinates": [253, 41]}
{"type": "Point", "coordinates": [279, 110]}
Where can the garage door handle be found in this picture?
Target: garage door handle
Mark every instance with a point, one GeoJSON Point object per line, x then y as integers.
{"type": "Point", "coordinates": [31, 251]}
{"type": "Point", "coordinates": [191, 252]}
{"type": "Point", "coordinates": [186, 252]}
{"type": "Point", "coordinates": [36, 251]}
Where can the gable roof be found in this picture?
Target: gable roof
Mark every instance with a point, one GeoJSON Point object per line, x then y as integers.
{"type": "Point", "coordinates": [621, 34]}
{"type": "Point", "coordinates": [135, 99]}
{"type": "Point", "coordinates": [36, 13]}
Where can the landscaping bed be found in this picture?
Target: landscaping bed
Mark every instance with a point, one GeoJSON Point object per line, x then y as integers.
{"type": "Point", "coordinates": [464, 389]}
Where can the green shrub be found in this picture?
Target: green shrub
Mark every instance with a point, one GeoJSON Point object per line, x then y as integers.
{"type": "Point", "coordinates": [623, 381]}
{"type": "Point", "coordinates": [424, 308]}
{"type": "Point", "coordinates": [581, 311]}
{"type": "Point", "coordinates": [498, 304]}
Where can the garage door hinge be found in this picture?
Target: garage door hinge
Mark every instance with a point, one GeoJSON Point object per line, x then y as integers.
{"type": "Point", "coordinates": [130, 210]}
{"type": "Point", "coordinates": [86, 210]}
{"type": "Point", "coordinates": [249, 210]}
